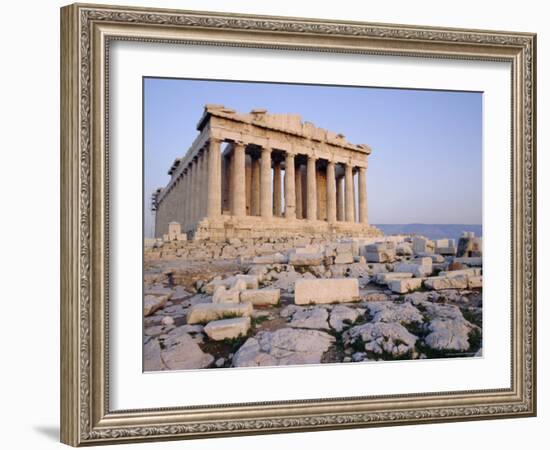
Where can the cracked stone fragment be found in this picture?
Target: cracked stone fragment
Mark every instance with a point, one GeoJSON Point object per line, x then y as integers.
{"type": "Point", "coordinates": [151, 356]}
{"type": "Point", "coordinates": [388, 312]}
{"type": "Point", "coordinates": [152, 303]}
{"type": "Point", "coordinates": [218, 330]}
{"type": "Point", "coordinates": [315, 318]}
{"type": "Point", "coordinates": [382, 338]}
{"type": "Point", "coordinates": [182, 352]}
{"type": "Point", "coordinates": [343, 316]}
{"type": "Point", "coordinates": [449, 330]}
{"type": "Point", "coordinates": [283, 347]}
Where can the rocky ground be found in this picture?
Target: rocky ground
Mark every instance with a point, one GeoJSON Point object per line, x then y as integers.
{"type": "Point", "coordinates": [310, 301]}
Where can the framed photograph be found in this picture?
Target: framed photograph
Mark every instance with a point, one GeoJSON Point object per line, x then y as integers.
{"type": "Point", "coordinates": [279, 224]}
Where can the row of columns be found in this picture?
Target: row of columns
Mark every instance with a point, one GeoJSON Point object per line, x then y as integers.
{"type": "Point", "coordinates": [266, 201]}
{"type": "Point", "coordinates": [198, 192]}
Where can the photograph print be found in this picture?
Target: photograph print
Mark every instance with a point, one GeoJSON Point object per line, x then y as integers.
{"type": "Point", "coordinates": [293, 224]}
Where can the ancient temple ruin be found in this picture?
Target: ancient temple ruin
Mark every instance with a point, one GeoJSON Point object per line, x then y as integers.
{"type": "Point", "coordinates": [265, 175]}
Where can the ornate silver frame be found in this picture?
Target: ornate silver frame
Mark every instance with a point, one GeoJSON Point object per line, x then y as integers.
{"type": "Point", "coordinates": [86, 31]}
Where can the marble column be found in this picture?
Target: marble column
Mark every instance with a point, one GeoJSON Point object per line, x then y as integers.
{"type": "Point", "coordinates": [340, 214]}
{"type": "Point", "coordinates": [290, 188]}
{"type": "Point", "coordinates": [363, 195]}
{"type": "Point", "coordinates": [311, 188]}
{"type": "Point", "coordinates": [197, 187]}
{"type": "Point", "coordinates": [239, 181]}
{"type": "Point", "coordinates": [255, 194]}
{"type": "Point", "coordinates": [214, 203]}
{"type": "Point", "coordinates": [298, 187]}
{"type": "Point", "coordinates": [203, 211]}
{"type": "Point", "coordinates": [193, 202]}
{"type": "Point", "coordinates": [277, 201]}
{"type": "Point", "coordinates": [226, 183]}
{"type": "Point", "coordinates": [350, 207]}
{"type": "Point", "coordinates": [204, 185]}
{"type": "Point", "coordinates": [188, 186]}
{"type": "Point", "coordinates": [331, 193]}
{"type": "Point", "coordinates": [355, 211]}
{"type": "Point", "coordinates": [248, 184]}
{"type": "Point", "coordinates": [266, 208]}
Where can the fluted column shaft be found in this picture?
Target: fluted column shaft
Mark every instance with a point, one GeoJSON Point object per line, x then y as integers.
{"type": "Point", "coordinates": [290, 188]}
{"type": "Point", "coordinates": [194, 191]}
{"type": "Point", "coordinates": [340, 209]}
{"type": "Point", "coordinates": [214, 203]}
{"type": "Point", "coordinates": [277, 201]}
{"type": "Point", "coordinates": [350, 207]}
{"type": "Point", "coordinates": [239, 180]}
{"type": "Point", "coordinates": [203, 211]}
{"type": "Point", "coordinates": [311, 189]}
{"type": "Point", "coordinates": [198, 187]}
{"type": "Point", "coordinates": [266, 210]}
{"type": "Point", "coordinates": [299, 192]}
{"type": "Point", "coordinates": [185, 181]}
{"type": "Point", "coordinates": [363, 218]}
{"type": "Point", "coordinates": [256, 186]}
{"type": "Point", "coordinates": [331, 193]}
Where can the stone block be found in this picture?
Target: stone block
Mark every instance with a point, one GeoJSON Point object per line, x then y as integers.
{"type": "Point", "coordinates": [252, 281]}
{"type": "Point", "coordinates": [469, 246]}
{"type": "Point", "coordinates": [344, 247]}
{"type": "Point", "coordinates": [239, 285]}
{"type": "Point", "coordinates": [206, 312]}
{"type": "Point", "coordinates": [422, 245]}
{"type": "Point", "coordinates": [446, 251]}
{"type": "Point", "coordinates": [275, 258]}
{"type": "Point", "coordinates": [382, 256]}
{"type": "Point", "coordinates": [308, 249]}
{"type": "Point", "coordinates": [261, 297]}
{"type": "Point", "coordinates": [152, 303]}
{"type": "Point", "coordinates": [435, 258]}
{"type": "Point", "coordinates": [158, 290]}
{"type": "Point", "coordinates": [475, 282]}
{"type": "Point", "coordinates": [344, 258]}
{"type": "Point", "coordinates": [404, 249]}
{"type": "Point", "coordinates": [422, 260]}
{"type": "Point", "coordinates": [406, 285]}
{"type": "Point", "coordinates": [224, 295]}
{"type": "Point", "coordinates": [438, 283]}
{"type": "Point", "coordinates": [149, 242]}
{"type": "Point", "coordinates": [387, 278]}
{"type": "Point", "coordinates": [219, 330]}
{"type": "Point", "coordinates": [306, 259]}
{"type": "Point", "coordinates": [445, 246]}
{"type": "Point", "coordinates": [474, 272]}
{"type": "Point", "coordinates": [470, 260]}
{"type": "Point", "coordinates": [335, 290]}
{"type": "Point", "coordinates": [418, 270]}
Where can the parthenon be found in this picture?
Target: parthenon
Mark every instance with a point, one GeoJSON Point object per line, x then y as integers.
{"type": "Point", "coordinates": [265, 175]}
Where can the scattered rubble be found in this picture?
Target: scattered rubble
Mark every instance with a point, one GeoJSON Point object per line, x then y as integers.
{"type": "Point", "coordinates": [309, 300]}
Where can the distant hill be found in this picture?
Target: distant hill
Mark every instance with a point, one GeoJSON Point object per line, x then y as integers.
{"type": "Point", "coordinates": [431, 231]}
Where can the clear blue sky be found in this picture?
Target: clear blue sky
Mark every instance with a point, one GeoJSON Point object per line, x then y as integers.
{"type": "Point", "coordinates": [426, 161]}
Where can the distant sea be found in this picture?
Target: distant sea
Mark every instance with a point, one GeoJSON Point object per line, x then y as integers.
{"type": "Point", "coordinates": [431, 231]}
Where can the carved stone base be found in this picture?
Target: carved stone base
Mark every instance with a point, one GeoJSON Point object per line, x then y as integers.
{"type": "Point", "coordinates": [227, 227]}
